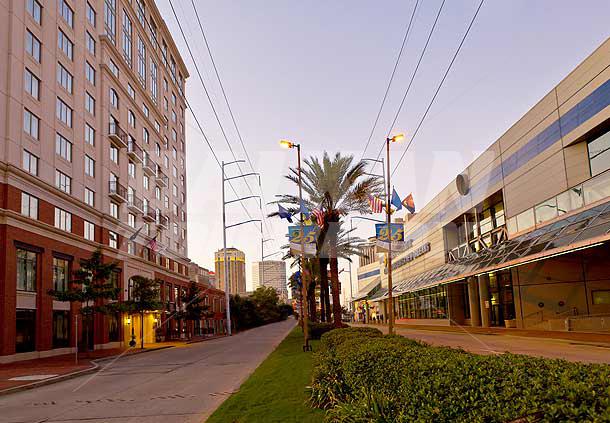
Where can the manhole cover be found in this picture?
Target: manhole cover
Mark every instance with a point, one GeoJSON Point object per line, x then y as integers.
{"type": "Point", "coordinates": [32, 377]}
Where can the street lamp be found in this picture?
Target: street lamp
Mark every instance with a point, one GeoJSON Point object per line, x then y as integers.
{"type": "Point", "coordinates": [389, 140]}
{"type": "Point", "coordinates": [306, 346]}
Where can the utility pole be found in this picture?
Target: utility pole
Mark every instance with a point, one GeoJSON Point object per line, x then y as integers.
{"type": "Point", "coordinates": [224, 233]}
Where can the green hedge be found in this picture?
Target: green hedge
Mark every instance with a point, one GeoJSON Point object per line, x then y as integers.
{"type": "Point", "coordinates": [362, 376]}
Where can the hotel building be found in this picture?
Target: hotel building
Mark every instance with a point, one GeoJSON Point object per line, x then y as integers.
{"type": "Point", "coordinates": [271, 273]}
{"type": "Point", "coordinates": [236, 269]}
{"type": "Point", "coordinates": [92, 157]}
{"type": "Point", "coordinates": [521, 238]}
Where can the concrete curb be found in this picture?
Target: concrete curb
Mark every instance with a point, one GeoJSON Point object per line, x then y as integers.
{"type": "Point", "coordinates": [94, 367]}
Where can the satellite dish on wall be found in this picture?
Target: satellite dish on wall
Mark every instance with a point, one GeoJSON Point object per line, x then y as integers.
{"type": "Point", "coordinates": [462, 183]}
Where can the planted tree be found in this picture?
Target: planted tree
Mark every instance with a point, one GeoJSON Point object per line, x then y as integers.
{"type": "Point", "coordinates": [338, 187]}
{"type": "Point", "coordinates": [194, 307]}
{"type": "Point", "coordinates": [92, 289]}
{"type": "Point", "coordinates": [144, 296]}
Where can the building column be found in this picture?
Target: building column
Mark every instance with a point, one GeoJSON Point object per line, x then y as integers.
{"type": "Point", "coordinates": [473, 300]}
{"type": "Point", "coordinates": [485, 301]}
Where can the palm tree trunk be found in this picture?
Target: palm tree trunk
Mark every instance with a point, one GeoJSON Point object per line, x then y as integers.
{"type": "Point", "coordinates": [334, 278]}
{"type": "Point", "coordinates": [324, 299]}
{"type": "Point", "coordinates": [311, 301]}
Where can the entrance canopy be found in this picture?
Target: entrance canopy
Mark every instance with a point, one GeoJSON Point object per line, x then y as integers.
{"type": "Point", "coordinates": [586, 229]}
{"type": "Point", "coordinates": [368, 290]}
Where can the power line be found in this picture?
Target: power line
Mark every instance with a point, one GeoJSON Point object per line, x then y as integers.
{"type": "Point", "coordinates": [183, 94]}
{"type": "Point", "coordinates": [387, 90]}
{"type": "Point", "coordinates": [211, 104]}
{"type": "Point", "coordinates": [440, 84]}
{"type": "Point", "coordinates": [224, 94]}
{"type": "Point", "coordinates": [421, 56]}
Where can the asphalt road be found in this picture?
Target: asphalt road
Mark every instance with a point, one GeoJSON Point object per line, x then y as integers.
{"type": "Point", "coordinates": [183, 384]}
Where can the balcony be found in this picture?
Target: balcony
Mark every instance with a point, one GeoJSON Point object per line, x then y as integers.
{"type": "Point", "coordinates": [135, 204]}
{"type": "Point", "coordinates": [117, 192]}
{"type": "Point", "coordinates": [117, 136]}
{"type": "Point", "coordinates": [134, 152]}
{"type": "Point", "coordinates": [148, 166]}
{"type": "Point", "coordinates": [161, 178]}
{"type": "Point", "coordinates": [162, 221]}
{"type": "Point", "coordinates": [149, 215]}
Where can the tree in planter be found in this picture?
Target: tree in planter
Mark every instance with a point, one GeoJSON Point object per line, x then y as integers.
{"type": "Point", "coordinates": [91, 288]}
{"type": "Point", "coordinates": [143, 296]}
{"type": "Point", "coordinates": [194, 307]}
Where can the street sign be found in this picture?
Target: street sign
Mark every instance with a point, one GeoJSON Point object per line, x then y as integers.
{"type": "Point", "coordinates": [310, 235]}
{"type": "Point", "coordinates": [396, 234]}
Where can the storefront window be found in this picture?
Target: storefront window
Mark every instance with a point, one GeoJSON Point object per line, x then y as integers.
{"type": "Point", "coordinates": [597, 188]}
{"type": "Point", "coordinates": [599, 154]}
{"type": "Point", "coordinates": [26, 270]}
{"type": "Point", "coordinates": [113, 327]}
{"type": "Point", "coordinates": [25, 339]}
{"type": "Point", "coordinates": [570, 200]}
{"type": "Point", "coordinates": [546, 210]}
{"type": "Point", "coordinates": [61, 329]}
{"type": "Point", "coordinates": [425, 304]}
{"type": "Point", "coordinates": [60, 274]}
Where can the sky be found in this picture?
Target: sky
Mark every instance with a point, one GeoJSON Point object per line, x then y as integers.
{"type": "Point", "coordinates": [315, 72]}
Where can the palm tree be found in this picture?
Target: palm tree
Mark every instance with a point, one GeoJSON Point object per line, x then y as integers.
{"type": "Point", "coordinates": [338, 186]}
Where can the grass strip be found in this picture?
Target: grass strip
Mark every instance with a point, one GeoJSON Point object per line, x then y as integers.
{"type": "Point", "coordinates": [276, 391]}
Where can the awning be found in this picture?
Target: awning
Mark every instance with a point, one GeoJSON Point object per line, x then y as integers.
{"type": "Point", "coordinates": [586, 229]}
{"type": "Point", "coordinates": [368, 290]}
{"type": "Point", "coordinates": [381, 294]}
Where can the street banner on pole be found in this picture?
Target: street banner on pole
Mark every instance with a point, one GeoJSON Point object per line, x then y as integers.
{"type": "Point", "coordinates": [396, 234]}
{"type": "Point", "coordinates": [310, 233]}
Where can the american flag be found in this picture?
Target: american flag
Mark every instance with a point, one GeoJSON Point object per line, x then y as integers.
{"type": "Point", "coordinates": [376, 204]}
{"type": "Point", "coordinates": [152, 244]}
{"type": "Point", "coordinates": [319, 214]}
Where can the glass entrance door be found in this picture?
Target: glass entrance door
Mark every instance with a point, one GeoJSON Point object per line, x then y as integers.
{"type": "Point", "coordinates": [501, 298]}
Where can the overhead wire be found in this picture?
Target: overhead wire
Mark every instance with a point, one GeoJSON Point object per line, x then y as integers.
{"type": "Point", "coordinates": [212, 106]}
{"type": "Point", "coordinates": [419, 61]}
{"type": "Point", "coordinates": [224, 94]}
{"type": "Point", "coordinates": [183, 94]}
{"type": "Point", "coordinates": [438, 88]}
{"type": "Point", "coordinates": [387, 90]}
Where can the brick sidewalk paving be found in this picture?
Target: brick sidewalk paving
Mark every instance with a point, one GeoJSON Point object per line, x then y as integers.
{"type": "Point", "coordinates": [31, 371]}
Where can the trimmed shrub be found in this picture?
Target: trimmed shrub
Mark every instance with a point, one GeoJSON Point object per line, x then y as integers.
{"type": "Point", "coordinates": [361, 376]}
{"type": "Point", "coordinates": [316, 330]}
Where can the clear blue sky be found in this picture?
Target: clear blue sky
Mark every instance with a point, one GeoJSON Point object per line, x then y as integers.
{"type": "Point", "coordinates": [315, 72]}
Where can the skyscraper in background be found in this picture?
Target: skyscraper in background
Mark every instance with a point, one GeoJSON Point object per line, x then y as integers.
{"type": "Point", "coordinates": [271, 273]}
{"type": "Point", "coordinates": [236, 260]}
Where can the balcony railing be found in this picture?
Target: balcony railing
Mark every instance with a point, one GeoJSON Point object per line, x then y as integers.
{"type": "Point", "coordinates": [162, 221]}
{"type": "Point", "coordinates": [135, 152]}
{"type": "Point", "coordinates": [148, 166]}
{"type": "Point", "coordinates": [117, 191]}
{"type": "Point", "coordinates": [117, 135]}
{"type": "Point", "coordinates": [134, 203]}
{"type": "Point", "coordinates": [161, 178]}
{"type": "Point", "coordinates": [149, 214]}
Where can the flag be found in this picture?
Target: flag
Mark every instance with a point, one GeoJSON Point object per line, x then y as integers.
{"type": "Point", "coordinates": [319, 214]}
{"type": "Point", "coordinates": [135, 234]}
{"type": "Point", "coordinates": [376, 204]}
{"type": "Point", "coordinates": [152, 244]}
{"type": "Point", "coordinates": [409, 203]}
{"type": "Point", "coordinates": [283, 213]}
{"type": "Point", "coordinates": [303, 209]}
{"type": "Point", "coordinates": [396, 200]}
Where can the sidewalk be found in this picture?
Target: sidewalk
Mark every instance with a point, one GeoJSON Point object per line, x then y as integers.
{"type": "Point", "coordinates": [588, 349]}
{"type": "Point", "coordinates": [51, 369]}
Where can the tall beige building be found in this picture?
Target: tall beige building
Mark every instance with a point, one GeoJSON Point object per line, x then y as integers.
{"type": "Point", "coordinates": [237, 270]}
{"type": "Point", "coordinates": [271, 273]}
{"type": "Point", "coordinates": [92, 156]}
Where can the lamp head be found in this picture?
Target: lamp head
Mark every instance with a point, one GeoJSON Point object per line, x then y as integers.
{"type": "Point", "coordinates": [397, 137]}
{"type": "Point", "coordinates": [287, 144]}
